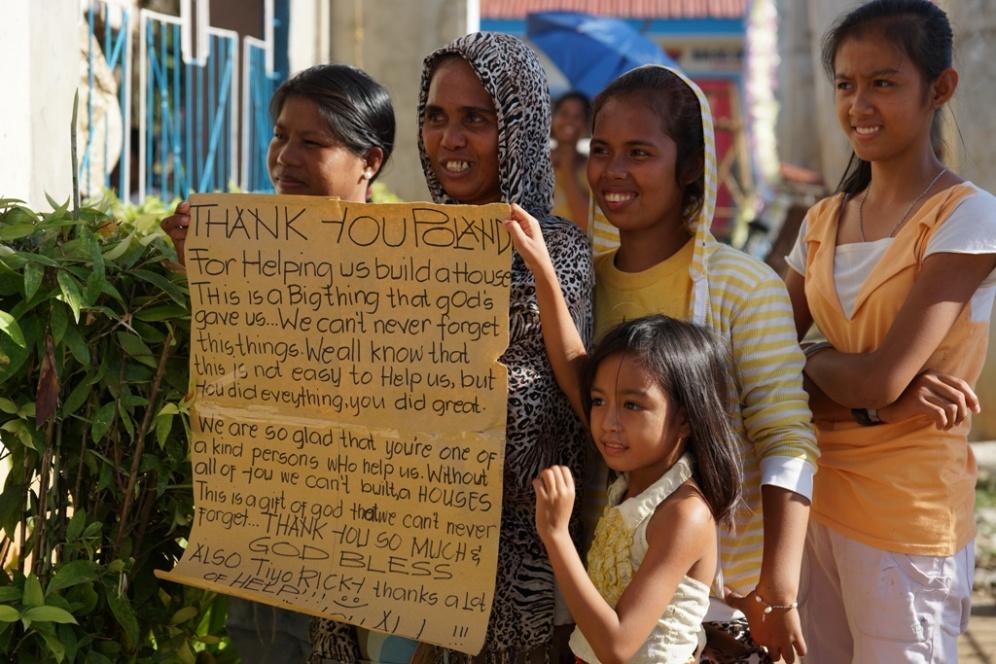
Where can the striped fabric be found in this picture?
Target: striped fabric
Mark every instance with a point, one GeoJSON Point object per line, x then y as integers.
{"type": "Point", "coordinates": [619, 8]}
{"type": "Point", "coordinates": [748, 306]}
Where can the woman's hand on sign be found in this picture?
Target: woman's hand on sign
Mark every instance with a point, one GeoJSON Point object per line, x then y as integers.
{"type": "Point", "coordinates": [946, 400]}
{"type": "Point", "coordinates": [527, 237]}
{"type": "Point", "coordinates": [554, 502]}
{"type": "Point", "coordinates": [175, 226]}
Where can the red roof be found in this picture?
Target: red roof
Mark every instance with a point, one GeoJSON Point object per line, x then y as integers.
{"type": "Point", "coordinates": [620, 8]}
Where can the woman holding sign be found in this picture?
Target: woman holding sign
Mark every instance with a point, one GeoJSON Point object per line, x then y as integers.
{"type": "Point", "coordinates": [333, 131]}
{"type": "Point", "coordinates": [484, 120]}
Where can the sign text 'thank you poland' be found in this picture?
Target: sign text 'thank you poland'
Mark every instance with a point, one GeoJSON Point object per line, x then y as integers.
{"type": "Point", "coordinates": [348, 417]}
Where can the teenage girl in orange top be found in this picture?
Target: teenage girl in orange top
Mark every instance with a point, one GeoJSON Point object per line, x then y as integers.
{"type": "Point", "coordinates": [897, 272]}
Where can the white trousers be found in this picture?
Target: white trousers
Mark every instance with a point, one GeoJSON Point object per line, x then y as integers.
{"type": "Point", "coordinates": [863, 605]}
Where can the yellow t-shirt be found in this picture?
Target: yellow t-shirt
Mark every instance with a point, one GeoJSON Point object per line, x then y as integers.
{"type": "Point", "coordinates": [666, 288]}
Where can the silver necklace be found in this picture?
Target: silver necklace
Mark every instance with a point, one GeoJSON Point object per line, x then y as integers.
{"type": "Point", "coordinates": [861, 207]}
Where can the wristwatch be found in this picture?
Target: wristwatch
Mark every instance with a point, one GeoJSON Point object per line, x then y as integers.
{"type": "Point", "coordinates": [866, 417]}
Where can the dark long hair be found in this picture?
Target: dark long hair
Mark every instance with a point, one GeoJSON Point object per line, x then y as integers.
{"type": "Point", "coordinates": [691, 364]}
{"type": "Point", "coordinates": [918, 28]}
{"type": "Point", "coordinates": [681, 119]}
{"type": "Point", "coordinates": [357, 108]}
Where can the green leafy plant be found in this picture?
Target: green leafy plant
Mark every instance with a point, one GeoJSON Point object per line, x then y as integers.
{"type": "Point", "coordinates": [94, 334]}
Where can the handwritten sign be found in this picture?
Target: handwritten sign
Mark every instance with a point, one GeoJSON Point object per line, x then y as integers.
{"type": "Point", "coordinates": [348, 418]}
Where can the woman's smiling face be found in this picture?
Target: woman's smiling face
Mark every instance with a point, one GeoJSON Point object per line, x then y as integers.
{"type": "Point", "coordinates": [881, 98]}
{"type": "Point", "coordinates": [460, 134]}
{"type": "Point", "coordinates": [305, 157]}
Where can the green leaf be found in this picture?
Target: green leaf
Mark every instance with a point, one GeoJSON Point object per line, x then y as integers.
{"type": "Point", "coordinates": [54, 645]}
{"type": "Point", "coordinates": [9, 593]}
{"type": "Point", "coordinates": [161, 313]}
{"type": "Point", "coordinates": [77, 397]}
{"type": "Point", "coordinates": [125, 615]}
{"type": "Point", "coordinates": [70, 293]}
{"type": "Point", "coordinates": [10, 327]}
{"type": "Point", "coordinates": [96, 258]}
{"type": "Point", "coordinates": [8, 406]}
{"type": "Point", "coordinates": [118, 250]}
{"type": "Point", "coordinates": [75, 526]}
{"type": "Point", "coordinates": [183, 615]}
{"type": "Point", "coordinates": [59, 320]}
{"type": "Point", "coordinates": [48, 614]}
{"type": "Point", "coordinates": [164, 424]}
{"type": "Point", "coordinates": [71, 574]}
{"type": "Point", "coordinates": [33, 595]}
{"type": "Point", "coordinates": [30, 257]}
{"type": "Point", "coordinates": [11, 508]}
{"type": "Point", "coordinates": [77, 346]}
{"type": "Point", "coordinates": [164, 284]}
{"type": "Point", "coordinates": [9, 613]}
{"type": "Point", "coordinates": [102, 421]}
{"type": "Point", "coordinates": [68, 639]}
{"type": "Point", "coordinates": [94, 286]}
{"type": "Point", "coordinates": [126, 421]}
{"type": "Point", "coordinates": [134, 346]}
{"type": "Point", "coordinates": [16, 231]}
{"type": "Point", "coordinates": [33, 273]}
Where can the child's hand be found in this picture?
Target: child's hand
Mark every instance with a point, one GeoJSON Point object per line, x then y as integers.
{"type": "Point", "coordinates": [554, 502]}
{"type": "Point", "coordinates": [528, 239]}
{"type": "Point", "coordinates": [176, 225]}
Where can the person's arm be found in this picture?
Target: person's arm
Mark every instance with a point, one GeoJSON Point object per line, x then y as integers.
{"type": "Point", "coordinates": [878, 378]}
{"type": "Point", "coordinates": [768, 365]}
{"type": "Point", "coordinates": [677, 536]}
{"type": "Point", "coordinates": [943, 399]}
{"type": "Point", "coordinates": [564, 345]}
{"type": "Point", "coordinates": [795, 284]}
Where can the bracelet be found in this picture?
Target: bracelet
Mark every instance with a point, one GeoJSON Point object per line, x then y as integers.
{"type": "Point", "coordinates": [812, 349]}
{"type": "Point", "coordinates": [768, 608]}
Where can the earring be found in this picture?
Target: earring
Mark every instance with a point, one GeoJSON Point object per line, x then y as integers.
{"type": "Point", "coordinates": [368, 174]}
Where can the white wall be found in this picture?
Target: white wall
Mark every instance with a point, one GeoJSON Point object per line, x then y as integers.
{"type": "Point", "coordinates": [39, 49]}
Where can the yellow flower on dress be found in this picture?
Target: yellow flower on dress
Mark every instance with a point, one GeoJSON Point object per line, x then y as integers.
{"type": "Point", "coordinates": [609, 564]}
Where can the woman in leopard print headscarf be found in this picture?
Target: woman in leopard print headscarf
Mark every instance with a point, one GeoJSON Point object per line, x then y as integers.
{"type": "Point", "coordinates": [484, 127]}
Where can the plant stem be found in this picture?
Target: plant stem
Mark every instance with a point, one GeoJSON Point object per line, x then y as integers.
{"type": "Point", "coordinates": [41, 555]}
{"type": "Point", "coordinates": [23, 530]}
{"type": "Point", "coordinates": [140, 440]}
{"type": "Point", "coordinates": [77, 499]}
{"type": "Point", "coordinates": [76, 166]}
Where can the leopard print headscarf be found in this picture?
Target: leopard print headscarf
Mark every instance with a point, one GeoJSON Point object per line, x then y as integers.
{"type": "Point", "coordinates": [515, 80]}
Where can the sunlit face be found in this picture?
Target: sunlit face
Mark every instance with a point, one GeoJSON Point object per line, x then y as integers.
{"type": "Point", "coordinates": [569, 121]}
{"type": "Point", "coordinates": [881, 101]}
{"type": "Point", "coordinates": [632, 166]}
{"type": "Point", "coordinates": [305, 157]}
{"type": "Point", "coordinates": [635, 425]}
{"type": "Point", "coordinates": [460, 134]}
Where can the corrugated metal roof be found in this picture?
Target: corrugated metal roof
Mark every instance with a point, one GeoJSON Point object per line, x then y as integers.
{"type": "Point", "coordinates": [620, 8]}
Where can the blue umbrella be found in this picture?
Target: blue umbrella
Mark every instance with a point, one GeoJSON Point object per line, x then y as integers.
{"type": "Point", "coordinates": [591, 51]}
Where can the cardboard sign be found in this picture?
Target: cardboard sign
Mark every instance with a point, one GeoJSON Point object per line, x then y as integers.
{"type": "Point", "coordinates": [348, 417]}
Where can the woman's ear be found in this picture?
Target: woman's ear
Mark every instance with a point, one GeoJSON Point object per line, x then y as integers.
{"type": "Point", "coordinates": [944, 87]}
{"type": "Point", "coordinates": [373, 160]}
